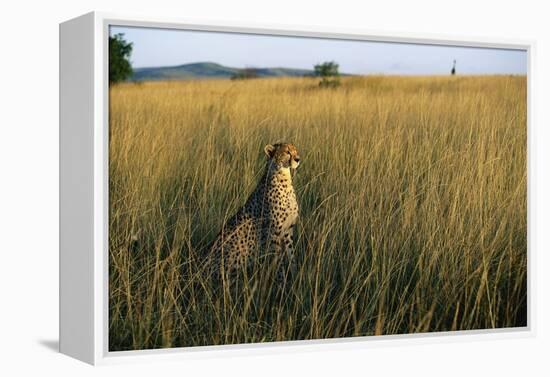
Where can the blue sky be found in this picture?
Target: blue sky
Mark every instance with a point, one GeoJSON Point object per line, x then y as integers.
{"type": "Point", "coordinates": [165, 47]}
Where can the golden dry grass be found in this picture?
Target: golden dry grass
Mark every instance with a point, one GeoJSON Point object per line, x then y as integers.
{"type": "Point", "coordinates": [412, 197]}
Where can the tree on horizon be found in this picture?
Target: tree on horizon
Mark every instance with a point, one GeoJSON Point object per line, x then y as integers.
{"type": "Point", "coordinates": [120, 50]}
{"type": "Point", "coordinates": [328, 71]}
{"type": "Point", "coordinates": [245, 74]}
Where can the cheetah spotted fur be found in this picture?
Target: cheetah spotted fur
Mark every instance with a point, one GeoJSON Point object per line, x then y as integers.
{"type": "Point", "coordinates": [266, 221]}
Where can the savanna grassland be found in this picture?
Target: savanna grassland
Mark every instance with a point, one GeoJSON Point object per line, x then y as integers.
{"type": "Point", "coordinates": [413, 207]}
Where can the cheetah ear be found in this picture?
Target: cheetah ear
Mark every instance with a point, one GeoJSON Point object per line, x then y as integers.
{"type": "Point", "coordinates": [268, 149]}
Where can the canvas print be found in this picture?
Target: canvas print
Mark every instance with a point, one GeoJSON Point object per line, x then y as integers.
{"type": "Point", "coordinates": [271, 188]}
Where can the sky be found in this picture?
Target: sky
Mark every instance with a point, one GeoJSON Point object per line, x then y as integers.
{"type": "Point", "coordinates": [153, 47]}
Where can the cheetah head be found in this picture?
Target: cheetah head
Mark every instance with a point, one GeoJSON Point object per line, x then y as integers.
{"type": "Point", "coordinates": [283, 155]}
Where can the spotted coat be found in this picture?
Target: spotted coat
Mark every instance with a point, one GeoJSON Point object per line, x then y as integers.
{"type": "Point", "coordinates": [265, 224]}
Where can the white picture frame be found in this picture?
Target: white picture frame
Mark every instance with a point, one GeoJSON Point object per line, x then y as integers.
{"type": "Point", "coordinates": [84, 190]}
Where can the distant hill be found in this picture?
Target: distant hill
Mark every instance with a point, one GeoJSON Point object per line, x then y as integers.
{"type": "Point", "coordinates": [208, 70]}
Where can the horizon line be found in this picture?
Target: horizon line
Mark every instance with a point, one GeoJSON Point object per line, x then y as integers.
{"type": "Point", "coordinates": [312, 69]}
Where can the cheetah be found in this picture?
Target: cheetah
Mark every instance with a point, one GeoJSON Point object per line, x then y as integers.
{"type": "Point", "coordinates": [266, 221]}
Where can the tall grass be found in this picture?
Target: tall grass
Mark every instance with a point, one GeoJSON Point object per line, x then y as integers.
{"type": "Point", "coordinates": [412, 196]}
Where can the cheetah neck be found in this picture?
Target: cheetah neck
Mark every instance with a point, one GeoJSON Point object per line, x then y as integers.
{"type": "Point", "coordinates": [274, 180]}
{"type": "Point", "coordinates": [276, 174]}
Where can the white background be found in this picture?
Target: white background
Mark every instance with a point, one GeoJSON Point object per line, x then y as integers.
{"type": "Point", "coordinates": [29, 184]}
